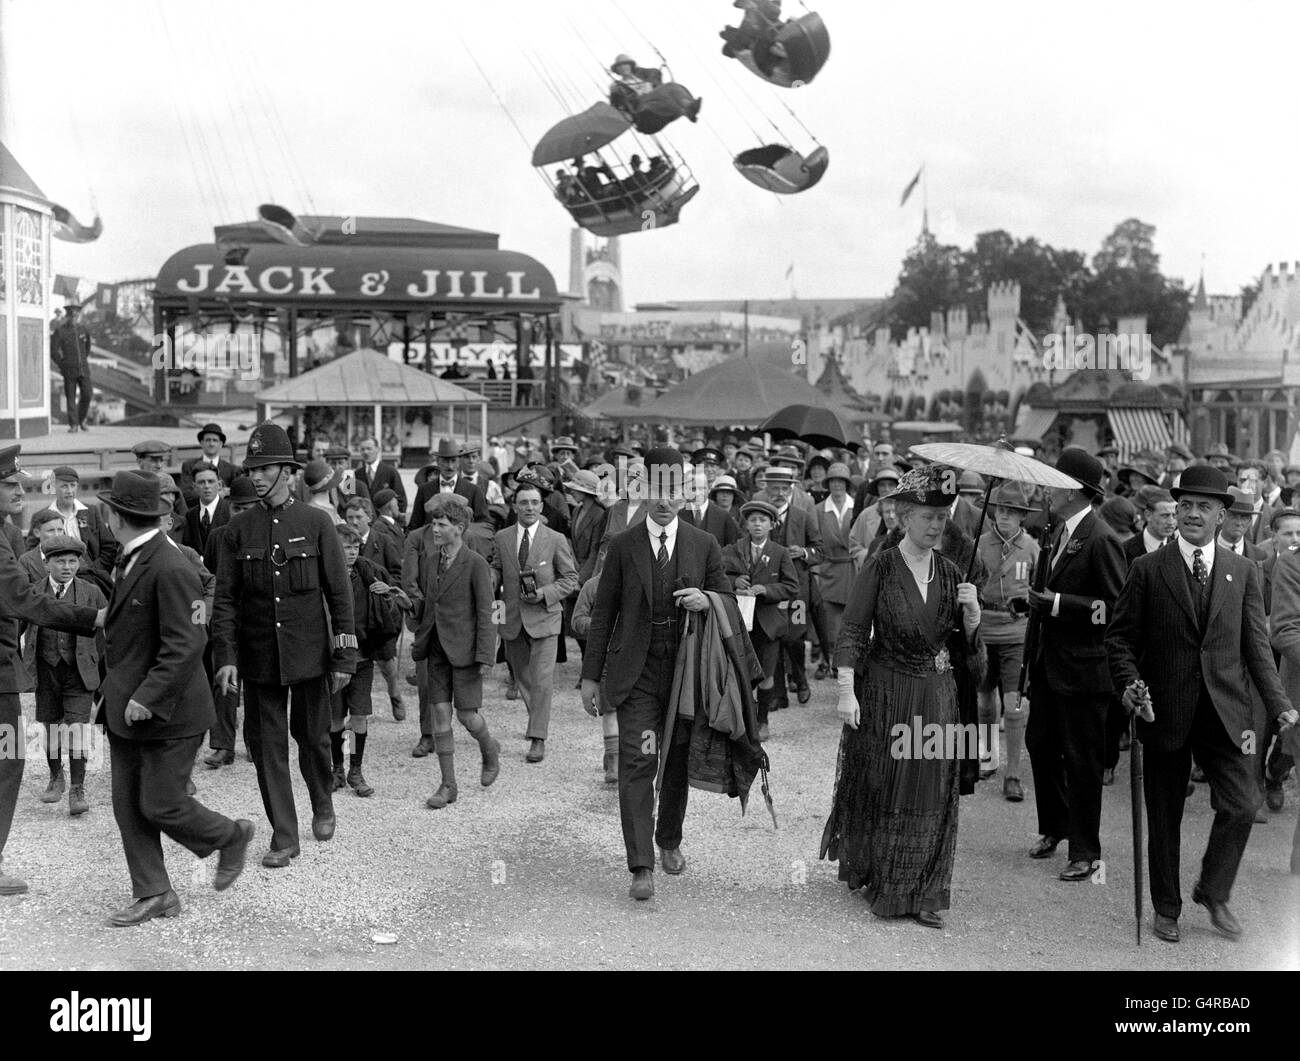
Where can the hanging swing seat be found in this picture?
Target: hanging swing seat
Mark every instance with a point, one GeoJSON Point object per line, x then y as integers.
{"type": "Point", "coordinates": [782, 169]}
{"type": "Point", "coordinates": [794, 52]}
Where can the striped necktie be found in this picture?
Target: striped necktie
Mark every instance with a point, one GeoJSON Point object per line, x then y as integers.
{"type": "Point", "coordinates": [662, 556]}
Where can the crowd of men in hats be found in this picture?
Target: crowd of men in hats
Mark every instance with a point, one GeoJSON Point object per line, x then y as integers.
{"type": "Point", "coordinates": [297, 578]}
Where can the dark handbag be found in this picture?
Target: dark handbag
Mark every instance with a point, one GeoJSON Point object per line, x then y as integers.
{"type": "Point", "coordinates": [383, 619]}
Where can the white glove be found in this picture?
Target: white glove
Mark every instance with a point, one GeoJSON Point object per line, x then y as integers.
{"type": "Point", "coordinates": [847, 705]}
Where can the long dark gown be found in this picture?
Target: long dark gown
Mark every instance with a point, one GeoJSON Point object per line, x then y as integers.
{"type": "Point", "coordinates": [893, 823]}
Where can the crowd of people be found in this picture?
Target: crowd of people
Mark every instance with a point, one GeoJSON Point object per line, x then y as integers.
{"type": "Point", "coordinates": [706, 586]}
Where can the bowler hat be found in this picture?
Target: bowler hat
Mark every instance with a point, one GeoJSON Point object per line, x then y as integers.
{"type": "Point", "coordinates": [243, 492]}
{"type": "Point", "coordinates": [136, 494]}
{"type": "Point", "coordinates": [1011, 495]}
{"type": "Point", "coordinates": [212, 429]}
{"type": "Point", "coordinates": [319, 477]}
{"type": "Point", "coordinates": [10, 471]}
{"type": "Point", "coordinates": [1243, 502]}
{"type": "Point", "coordinates": [268, 444]}
{"type": "Point", "coordinates": [664, 456]}
{"type": "Point", "coordinates": [761, 507]}
{"type": "Point", "coordinates": [1081, 465]}
{"type": "Point", "coordinates": [970, 483]}
{"type": "Point", "coordinates": [448, 447]}
{"type": "Point", "coordinates": [1203, 480]}
{"type": "Point", "coordinates": [63, 543]}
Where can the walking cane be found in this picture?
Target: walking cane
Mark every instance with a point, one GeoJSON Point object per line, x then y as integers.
{"type": "Point", "coordinates": [1135, 789]}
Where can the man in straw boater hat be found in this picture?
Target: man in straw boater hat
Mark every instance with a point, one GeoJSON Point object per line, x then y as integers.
{"type": "Point", "coordinates": [1186, 684]}
{"type": "Point", "coordinates": [20, 600]}
{"type": "Point", "coordinates": [282, 589]}
{"type": "Point", "coordinates": [652, 571]}
{"type": "Point", "coordinates": [158, 704]}
{"type": "Point", "coordinates": [1010, 555]}
{"type": "Point", "coordinates": [1069, 681]}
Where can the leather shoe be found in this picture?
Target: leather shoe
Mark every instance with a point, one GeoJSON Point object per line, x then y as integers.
{"type": "Point", "coordinates": [12, 885]}
{"type": "Point", "coordinates": [1261, 816]}
{"type": "Point", "coordinates": [54, 790]}
{"type": "Point", "coordinates": [274, 859]}
{"type": "Point", "coordinates": [220, 757]}
{"type": "Point", "coordinates": [1012, 790]}
{"type": "Point", "coordinates": [822, 671]}
{"type": "Point", "coordinates": [423, 747]}
{"type": "Point", "coordinates": [512, 691]}
{"type": "Point", "coordinates": [1044, 847]}
{"type": "Point", "coordinates": [804, 694]}
{"type": "Point", "coordinates": [672, 861]}
{"type": "Point", "coordinates": [1220, 916]}
{"type": "Point", "coordinates": [444, 797]}
{"type": "Point", "coordinates": [1077, 871]}
{"type": "Point", "coordinates": [1274, 797]}
{"type": "Point", "coordinates": [536, 751]}
{"type": "Point", "coordinates": [77, 804]}
{"type": "Point", "coordinates": [322, 826]}
{"type": "Point", "coordinates": [764, 734]}
{"type": "Point", "coordinates": [1166, 928]}
{"type": "Point", "coordinates": [643, 885]}
{"type": "Point", "coordinates": [928, 918]}
{"type": "Point", "coordinates": [357, 782]}
{"type": "Point", "coordinates": [230, 862]}
{"type": "Point", "coordinates": [1108, 776]}
{"type": "Point", "coordinates": [491, 763]}
{"type": "Point", "coordinates": [142, 910]}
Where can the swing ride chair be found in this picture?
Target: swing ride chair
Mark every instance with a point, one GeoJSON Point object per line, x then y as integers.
{"type": "Point", "coordinates": [640, 201]}
{"type": "Point", "coordinates": [794, 53]}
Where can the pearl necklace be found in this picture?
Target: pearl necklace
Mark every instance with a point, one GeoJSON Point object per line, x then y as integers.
{"type": "Point", "coordinates": [911, 562]}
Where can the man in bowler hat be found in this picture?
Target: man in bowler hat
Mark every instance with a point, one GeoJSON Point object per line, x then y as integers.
{"type": "Point", "coordinates": [1069, 680]}
{"type": "Point", "coordinates": [1208, 606]}
{"type": "Point", "coordinates": [282, 590]}
{"type": "Point", "coordinates": [158, 704]}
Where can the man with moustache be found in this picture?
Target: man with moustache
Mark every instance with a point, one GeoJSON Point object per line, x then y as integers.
{"type": "Point", "coordinates": [652, 571]}
{"type": "Point", "coordinates": [1207, 605]}
{"type": "Point", "coordinates": [1069, 681]}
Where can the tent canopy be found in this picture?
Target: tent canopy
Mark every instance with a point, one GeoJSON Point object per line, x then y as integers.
{"type": "Point", "coordinates": [741, 390]}
{"type": "Point", "coordinates": [367, 377]}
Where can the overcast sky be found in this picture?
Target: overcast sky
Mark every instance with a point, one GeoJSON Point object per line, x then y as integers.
{"type": "Point", "coordinates": [1055, 120]}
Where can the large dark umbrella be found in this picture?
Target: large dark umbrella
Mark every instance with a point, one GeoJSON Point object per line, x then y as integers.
{"type": "Point", "coordinates": [818, 426]}
{"type": "Point", "coordinates": [1135, 791]}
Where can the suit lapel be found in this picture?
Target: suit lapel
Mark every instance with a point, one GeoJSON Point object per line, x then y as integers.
{"type": "Point", "coordinates": [1219, 582]}
{"type": "Point", "coordinates": [122, 588]}
{"type": "Point", "coordinates": [1076, 539]}
{"type": "Point", "coordinates": [453, 573]}
{"type": "Point", "coordinates": [1171, 567]}
{"type": "Point", "coordinates": [642, 557]}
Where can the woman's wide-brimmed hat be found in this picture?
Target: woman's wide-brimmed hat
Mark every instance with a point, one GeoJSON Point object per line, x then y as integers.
{"type": "Point", "coordinates": [136, 494]}
{"type": "Point", "coordinates": [1203, 480]}
{"type": "Point", "coordinates": [839, 471]}
{"type": "Point", "coordinates": [933, 486]}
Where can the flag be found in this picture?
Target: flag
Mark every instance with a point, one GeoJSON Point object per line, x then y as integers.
{"type": "Point", "coordinates": [911, 187]}
{"type": "Point", "coordinates": [790, 271]}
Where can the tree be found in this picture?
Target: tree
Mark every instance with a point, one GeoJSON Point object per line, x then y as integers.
{"type": "Point", "coordinates": [930, 280]}
{"type": "Point", "coordinates": [1127, 281]}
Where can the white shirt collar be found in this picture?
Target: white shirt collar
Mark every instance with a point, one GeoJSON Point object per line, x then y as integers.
{"type": "Point", "coordinates": [137, 543]}
{"type": "Point", "coordinates": [654, 531]}
{"type": "Point", "coordinates": [1207, 553]}
{"type": "Point", "coordinates": [530, 531]}
{"type": "Point", "coordinates": [1150, 541]}
{"type": "Point", "coordinates": [54, 586]}
{"type": "Point", "coordinates": [1239, 548]}
{"type": "Point", "coordinates": [830, 504]}
{"type": "Point", "coordinates": [211, 509]}
{"type": "Point", "coordinates": [1072, 523]}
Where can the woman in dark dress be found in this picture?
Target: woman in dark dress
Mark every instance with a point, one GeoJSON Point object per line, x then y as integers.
{"type": "Point", "coordinates": [893, 824]}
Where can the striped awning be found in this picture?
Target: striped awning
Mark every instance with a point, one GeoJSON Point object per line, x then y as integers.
{"type": "Point", "coordinates": [1139, 429]}
{"type": "Point", "coordinates": [1033, 424]}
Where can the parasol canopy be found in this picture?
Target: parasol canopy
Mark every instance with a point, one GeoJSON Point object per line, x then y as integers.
{"type": "Point", "coordinates": [573, 137]}
{"type": "Point", "coordinates": [995, 462]}
{"type": "Point", "coordinates": [815, 424]}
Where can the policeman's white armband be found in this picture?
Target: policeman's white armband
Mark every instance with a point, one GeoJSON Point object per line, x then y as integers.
{"type": "Point", "coordinates": [345, 641]}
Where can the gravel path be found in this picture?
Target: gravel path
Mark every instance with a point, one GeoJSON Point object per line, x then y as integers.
{"type": "Point", "coordinates": [530, 875]}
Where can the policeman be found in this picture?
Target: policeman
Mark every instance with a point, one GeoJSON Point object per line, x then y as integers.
{"type": "Point", "coordinates": [282, 586]}
{"type": "Point", "coordinates": [19, 600]}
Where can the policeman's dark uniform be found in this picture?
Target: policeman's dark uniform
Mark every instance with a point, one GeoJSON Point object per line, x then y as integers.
{"type": "Point", "coordinates": [282, 587]}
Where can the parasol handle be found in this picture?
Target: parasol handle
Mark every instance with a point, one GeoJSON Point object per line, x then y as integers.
{"type": "Point", "coordinates": [979, 529]}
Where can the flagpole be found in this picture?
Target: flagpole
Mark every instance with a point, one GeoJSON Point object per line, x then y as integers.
{"type": "Point", "coordinates": [925, 201]}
